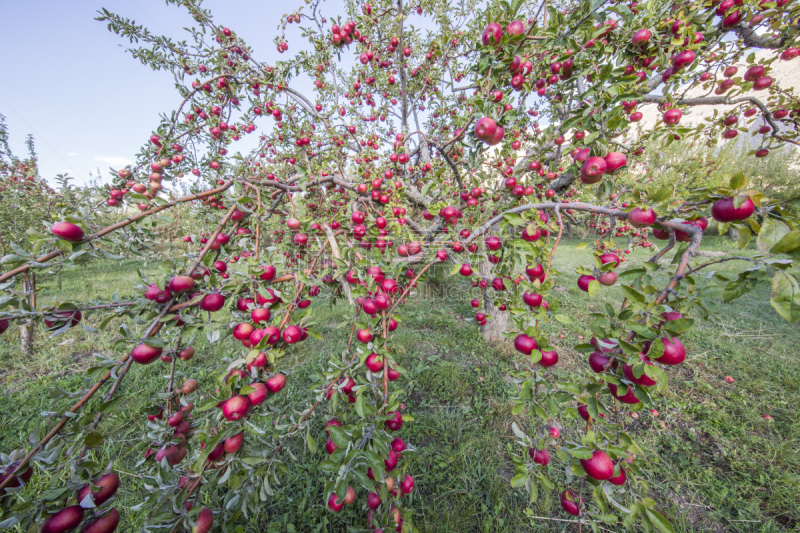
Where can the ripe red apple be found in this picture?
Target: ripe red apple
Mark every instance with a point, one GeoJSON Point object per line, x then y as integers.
{"type": "Point", "coordinates": [486, 129]}
{"type": "Point", "coordinates": [108, 483]}
{"type": "Point", "coordinates": [205, 521]}
{"type": "Point", "coordinates": [144, 354]}
{"type": "Point", "coordinates": [276, 383]}
{"type": "Point", "coordinates": [333, 505]}
{"type": "Point", "coordinates": [259, 394]}
{"type": "Point", "coordinates": [593, 169]}
{"type": "Point", "coordinates": [584, 281]}
{"type": "Point", "coordinates": [641, 37]}
{"type": "Point", "coordinates": [672, 117]}
{"type": "Point", "coordinates": [235, 407]}
{"type": "Point", "coordinates": [212, 302]}
{"type": "Point", "coordinates": [364, 335]}
{"type": "Point", "coordinates": [541, 457]}
{"type": "Point", "coordinates": [615, 161]}
{"type": "Point", "coordinates": [181, 284]}
{"type": "Point", "coordinates": [598, 361]}
{"type": "Point", "coordinates": [67, 231]}
{"type": "Point", "coordinates": [407, 485]}
{"type": "Point", "coordinates": [620, 479]}
{"type": "Point", "coordinates": [724, 210]}
{"type": "Point", "coordinates": [291, 334]}
{"type": "Point", "coordinates": [373, 500]}
{"type": "Point", "coordinates": [644, 379]}
{"type": "Point", "coordinates": [492, 34]}
{"type": "Point", "coordinates": [525, 344]}
{"type": "Point", "coordinates": [63, 521]}
{"type": "Point", "coordinates": [629, 397]}
{"type": "Point", "coordinates": [608, 279]}
{"type": "Point", "coordinates": [674, 352]}
{"type": "Point", "coordinates": [374, 362]}
{"type": "Point", "coordinates": [554, 432]}
{"type": "Point", "coordinates": [243, 331]}
{"type": "Point", "coordinates": [398, 445]}
{"type": "Point", "coordinates": [599, 466]}
{"type": "Point", "coordinates": [641, 218]}
{"type": "Point", "coordinates": [532, 299]}
{"type": "Point", "coordinates": [569, 502]}
{"type": "Point", "coordinates": [234, 443]}
{"type": "Point", "coordinates": [106, 523]}
{"type": "Point", "coordinates": [548, 358]}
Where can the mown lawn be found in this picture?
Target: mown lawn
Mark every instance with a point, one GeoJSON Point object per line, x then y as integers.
{"type": "Point", "coordinates": [717, 465]}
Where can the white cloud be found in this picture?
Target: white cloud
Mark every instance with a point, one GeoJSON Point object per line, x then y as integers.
{"type": "Point", "coordinates": [114, 161]}
{"type": "Point", "coordinates": [72, 153]}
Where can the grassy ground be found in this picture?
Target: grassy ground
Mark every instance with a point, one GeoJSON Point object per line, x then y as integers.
{"type": "Point", "coordinates": [717, 465]}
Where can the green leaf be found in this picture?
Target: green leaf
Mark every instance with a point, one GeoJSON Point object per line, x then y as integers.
{"type": "Point", "coordinates": [772, 231]}
{"type": "Point", "coordinates": [632, 294]}
{"type": "Point", "coordinates": [564, 319]}
{"type": "Point", "coordinates": [659, 521]}
{"type": "Point", "coordinates": [338, 436]}
{"type": "Point", "coordinates": [519, 480]}
{"type": "Point", "coordinates": [594, 286]}
{"type": "Point", "coordinates": [785, 296]}
{"type": "Point", "coordinates": [789, 243]}
{"type": "Point", "coordinates": [738, 181]}
{"type": "Point", "coordinates": [311, 443]}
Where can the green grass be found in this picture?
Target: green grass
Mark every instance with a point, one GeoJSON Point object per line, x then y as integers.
{"type": "Point", "coordinates": [716, 465]}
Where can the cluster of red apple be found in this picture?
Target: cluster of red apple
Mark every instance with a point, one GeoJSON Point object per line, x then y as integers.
{"type": "Point", "coordinates": [99, 491]}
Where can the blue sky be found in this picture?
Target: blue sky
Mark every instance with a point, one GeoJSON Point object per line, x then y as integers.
{"type": "Point", "coordinates": [87, 102]}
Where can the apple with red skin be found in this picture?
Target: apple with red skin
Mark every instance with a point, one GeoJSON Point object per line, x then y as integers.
{"type": "Point", "coordinates": [407, 485]}
{"type": "Point", "coordinates": [598, 361]}
{"type": "Point", "coordinates": [549, 358]}
{"type": "Point", "coordinates": [374, 362]}
{"type": "Point", "coordinates": [212, 302]}
{"type": "Point", "coordinates": [63, 521]}
{"type": "Point", "coordinates": [144, 354]}
{"type": "Point", "coordinates": [181, 284]}
{"type": "Point", "coordinates": [276, 383]}
{"type": "Point", "coordinates": [674, 352]}
{"type": "Point", "coordinates": [615, 161]}
{"type": "Point", "coordinates": [619, 479]}
{"type": "Point", "coordinates": [106, 523]}
{"type": "Point", "coordinates": [607, 279]}
{"type": "Point", "coordinates": [525, 344]}
{"type": "Point", "coordinates": [234, 443]}
{"type": "Point", "coordinates": [205, 521]}
{"type": "Point", "coordinates": [541, 457]}
{"type": "Point", "coordinates": [724, 210]}
{"type": "Point", "coordinates": [569, 502]}
{"type": "Point", "coordinates": [373, 500]}
{"type": "Point", "coordinates": [584, 281]}
{"type": "Point", "coordinates": [291, 334]}
{"type": "Point", "coordinates": [235, 407]}
{"type": "Point", "coordinates": [642, 218]}
{"type": "Point", "coordinates": [398, 445]}
{"type": "Point", "coordinates": [583, 411]}
{"type": "Point", "coordinates": [492, 34]}
{"type": "Point", "coordinates": [593, 169]}
{"type": "Point", "coordinates": [260, 314]}
{"type": "Point", "coordinates": [259, 394]}
{"type": "Point", "coordinates": [486, 130]}
{"type": "Point", "coordinates": [333, 505]}
{"type": "Point", "coordinates": [67, 231]}
{"type": "Point", "coordinates": [644, 379]}
{"type": "Point", "coordinates": [629, 397]}
{"type": "Point", "coordinates": [532, 299]}
{"type": "Point", "coordinates": [599, 466]}
{"type": "Point", "coordinates": [364, 336]}
{"type": "Point", "coordinates": [108, 483]}
{"type": "Point", "coordinates": [243, 331]}
{"type": "Point", "coordinates": [63, 316]}
{"type": "Point", "coordinates": [641, 37]}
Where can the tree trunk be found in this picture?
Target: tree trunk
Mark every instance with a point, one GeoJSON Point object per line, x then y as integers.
{"type": "Point", "coordinates": [732, 233]}
{"type": "Point", "coordinates": [492, 331]}
{"type": "Point", "coordinates": [26, 338]}
{"type": "Point", "coordinates": [568, 227]}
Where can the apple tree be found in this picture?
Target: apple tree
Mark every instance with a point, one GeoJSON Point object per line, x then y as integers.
{"type": "Point", "coordinates": [422, 133]}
